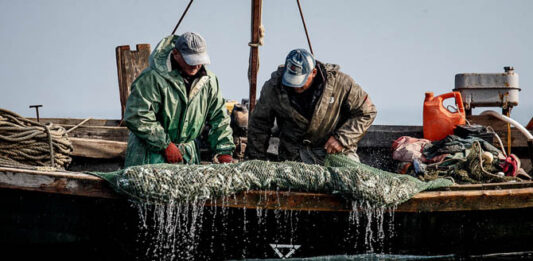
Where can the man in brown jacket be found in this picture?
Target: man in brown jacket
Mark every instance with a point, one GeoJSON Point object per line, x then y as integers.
{"type": "Point", "coordinates": [318, 110]}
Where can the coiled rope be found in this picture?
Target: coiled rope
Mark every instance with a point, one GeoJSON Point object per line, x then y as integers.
{"type": "Point", "coordinates": [25, 142]}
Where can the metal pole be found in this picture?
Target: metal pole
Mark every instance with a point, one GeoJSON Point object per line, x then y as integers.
{"type": "Point", "coordinates": [305, 27]}
{"type": "Point", "coordinates": [254, 50]}
{"type": "Point", "coordinates": [36, 110]}
{"type": "Point", "coordinates": [181, 18]}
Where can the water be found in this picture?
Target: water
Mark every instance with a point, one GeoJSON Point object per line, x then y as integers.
{"type": "Point", "coordinates": [170, 231]}
{"type": "Point", "coordinates": [189, 230]}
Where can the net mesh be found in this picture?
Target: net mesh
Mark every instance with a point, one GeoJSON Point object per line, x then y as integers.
{"type": "Point", "coordinates": [163, 183]}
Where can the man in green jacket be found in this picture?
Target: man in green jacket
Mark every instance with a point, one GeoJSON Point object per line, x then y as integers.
{"type": "Point", "coordinates": [171, 101]}
{"type": "Point", "coordinates": [318, 110]}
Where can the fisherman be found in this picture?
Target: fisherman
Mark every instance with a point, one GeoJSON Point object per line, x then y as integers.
{"type": "Point", "coordinates": [318, 110]}
{"type": "Point", "coordinates": [171, 101]}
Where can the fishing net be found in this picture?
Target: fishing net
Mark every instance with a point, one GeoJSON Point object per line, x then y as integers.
{"type": "Point", "coordinates": [470, 170]}
{"type": "Point", "coordinates": [163, 183]}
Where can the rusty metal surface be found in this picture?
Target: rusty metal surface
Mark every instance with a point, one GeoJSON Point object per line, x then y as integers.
{"type": "Point", "coordinates": [488, 89]}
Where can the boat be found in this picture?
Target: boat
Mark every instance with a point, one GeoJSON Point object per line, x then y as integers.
{"type": "Point", "coordinates": [75, 211]}
{"type": "Point", "coordinates": [66, 214]}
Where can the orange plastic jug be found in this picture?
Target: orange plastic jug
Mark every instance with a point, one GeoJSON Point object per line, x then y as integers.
{"type": "Point", "coordinates": [439, 122]}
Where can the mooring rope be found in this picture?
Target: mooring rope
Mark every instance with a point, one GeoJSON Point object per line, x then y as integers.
{"type": "Point", "coordinates": [26, 142]}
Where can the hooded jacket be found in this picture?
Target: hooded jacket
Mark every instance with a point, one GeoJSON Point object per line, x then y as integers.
{"type": "Point", "coordinates": [344, 111]}
{"type": "Point", "coordinates": [159, 110]}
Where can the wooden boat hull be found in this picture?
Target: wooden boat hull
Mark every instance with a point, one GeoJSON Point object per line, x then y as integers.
{"type": "Point", "coordinates": [69, 212]}
{"type": "Point", "coordinates": [108, 228]}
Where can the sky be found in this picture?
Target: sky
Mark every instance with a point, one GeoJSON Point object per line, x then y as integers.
{"type": "Point", "coordinates": [61, 53]}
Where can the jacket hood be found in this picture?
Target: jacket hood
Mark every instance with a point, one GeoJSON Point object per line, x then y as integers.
{"type": "Point", "coordinates": [160, 57]}
{"type": "Point", "coordinates": [330, 67]}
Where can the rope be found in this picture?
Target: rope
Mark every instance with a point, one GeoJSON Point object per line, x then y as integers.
{"type": "Point", "coordinates": [491, 130]}
{"type": "Point", "coordinates": [26, 142]}
{"type": "Point", "coordinates": [79, 124]}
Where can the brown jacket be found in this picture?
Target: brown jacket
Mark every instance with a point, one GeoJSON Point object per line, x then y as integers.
{"type": "Point", "coordinates": [344, 111]}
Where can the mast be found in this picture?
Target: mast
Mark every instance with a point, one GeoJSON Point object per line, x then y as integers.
{"type": "Point", "coordinates": [254, 50]}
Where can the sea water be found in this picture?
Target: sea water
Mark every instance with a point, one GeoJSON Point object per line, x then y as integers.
{"type": "Point", "coordinates": [190, 230]}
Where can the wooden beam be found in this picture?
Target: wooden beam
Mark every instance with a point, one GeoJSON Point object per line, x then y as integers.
{"type": "Point", "coordinates": [57, 182]}
{"type": "Point", "coordinates": [469, 200]}
{"type": "Point", "coordinates": [257, 6]}
{"type": "Point", "coordinates": [99, 133]}
{"type": "Point", "coordinates": [441, 201]}
{"type": "Point", "coordinates": [129, 65]}
{"type": "Point", "coordinates": [72, 122]}
{"type": "Point", "coordinates": [98, 149]}
{"type": "Point", "coordinates": [75, 183]}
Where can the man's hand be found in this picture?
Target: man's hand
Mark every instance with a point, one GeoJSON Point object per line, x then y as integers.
{"type": "Point", "coordinates": [173, 154]}
{"type": "Point", "coordinates": [225, 158]}
{"type": "Point", "coordinates": [333, 145]}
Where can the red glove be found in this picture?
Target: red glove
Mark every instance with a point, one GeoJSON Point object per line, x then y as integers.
{"type": "Point", "coordinates": [225, 158]}
{"type": "Point", "coordinates": [173, 154]}
{"type": "Point", "coordinates": [511, 165]}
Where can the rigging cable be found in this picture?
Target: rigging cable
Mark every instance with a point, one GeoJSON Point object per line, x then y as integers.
{"type": "Point", "coordinates": [305, 27]}
{"type": "Point", "coordinates": [181, 18]}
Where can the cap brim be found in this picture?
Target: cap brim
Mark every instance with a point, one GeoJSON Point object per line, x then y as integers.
{"type": "Point", "coordinates": [292, 80]}
{"type": "Point", "coordinates": [196, 58]}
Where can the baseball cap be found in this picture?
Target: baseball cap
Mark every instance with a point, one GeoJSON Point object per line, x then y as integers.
{"type": "Point", "coordinates": [298, 66]}
{"type": "Point", "coordinates": [193, 48]}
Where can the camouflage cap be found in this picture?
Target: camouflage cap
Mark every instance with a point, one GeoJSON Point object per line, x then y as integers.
{"type": "Point", "coordinates": [298, 66]}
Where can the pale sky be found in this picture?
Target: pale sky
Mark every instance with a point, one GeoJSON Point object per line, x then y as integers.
{"type": "Point", "coordinates": [62, 53]}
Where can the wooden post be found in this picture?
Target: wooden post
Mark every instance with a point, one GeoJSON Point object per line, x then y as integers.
{"type": "Point", "coordinates": [254, 50]}
{"type": "Point", "coordinates": [129, 65]}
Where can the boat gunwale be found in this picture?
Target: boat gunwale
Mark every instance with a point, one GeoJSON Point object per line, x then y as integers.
{"type": "Point", "coordinates": [455, 198]}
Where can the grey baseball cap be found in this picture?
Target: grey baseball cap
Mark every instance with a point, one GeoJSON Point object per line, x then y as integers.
{"type": "Point", "coordinates": [193, 48]}
{"type": "Point", "coordinates": [298, 66]}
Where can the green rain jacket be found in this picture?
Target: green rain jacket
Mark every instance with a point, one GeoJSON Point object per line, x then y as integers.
{"type": "Point", "coordinates": [159, 111]}
{"type": "Point", "coordinates": [344, 111]}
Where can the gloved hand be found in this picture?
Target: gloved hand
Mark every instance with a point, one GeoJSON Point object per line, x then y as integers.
{"type": "Point", "coordinates": [225, 158]}
{"type": "Point", "coordinates": [173, 154]}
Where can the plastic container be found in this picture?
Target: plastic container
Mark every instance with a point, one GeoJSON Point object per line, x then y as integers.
{"type": "Point", "coordinates": [439, 122]}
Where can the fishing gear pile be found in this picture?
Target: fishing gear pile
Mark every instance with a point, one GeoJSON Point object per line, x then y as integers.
{"type": "Point", "coordinates": [165, 183]}
{"type": "Point", "coordinates": [469, 160]}
{"type": "Point", "coordinates": [24, 142]}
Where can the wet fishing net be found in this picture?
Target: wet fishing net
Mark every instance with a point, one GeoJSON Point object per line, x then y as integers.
{"type": "Point", "coordinates": [164, 183]}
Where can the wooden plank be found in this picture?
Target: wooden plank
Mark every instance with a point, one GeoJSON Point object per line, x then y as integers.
{"type": "Point", "coordinates": [489, 186]}
{"type": "Point", "coordinates": [469, 200]}
{"type": "Point", "coordinates": [72, 122]}
{"type": "Point", "coordinates": [75, 183]}
{"type": "Point", "coordinates": [517, 138]}
{"type": "Point", "coordinates": [423, 202]}
{"type": "Point", "coordinates": [382, 136]}
{"type": "Point", "coordinates": [99, 132]}
{"type": "Point", "coordinates": [68, 183]}
{"type": "Point", "coordinates": [98, 149]}
{"type": "Point", "coordinates": [129, 65]}
{"type": "Point", "coordinates": [488, 120]}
